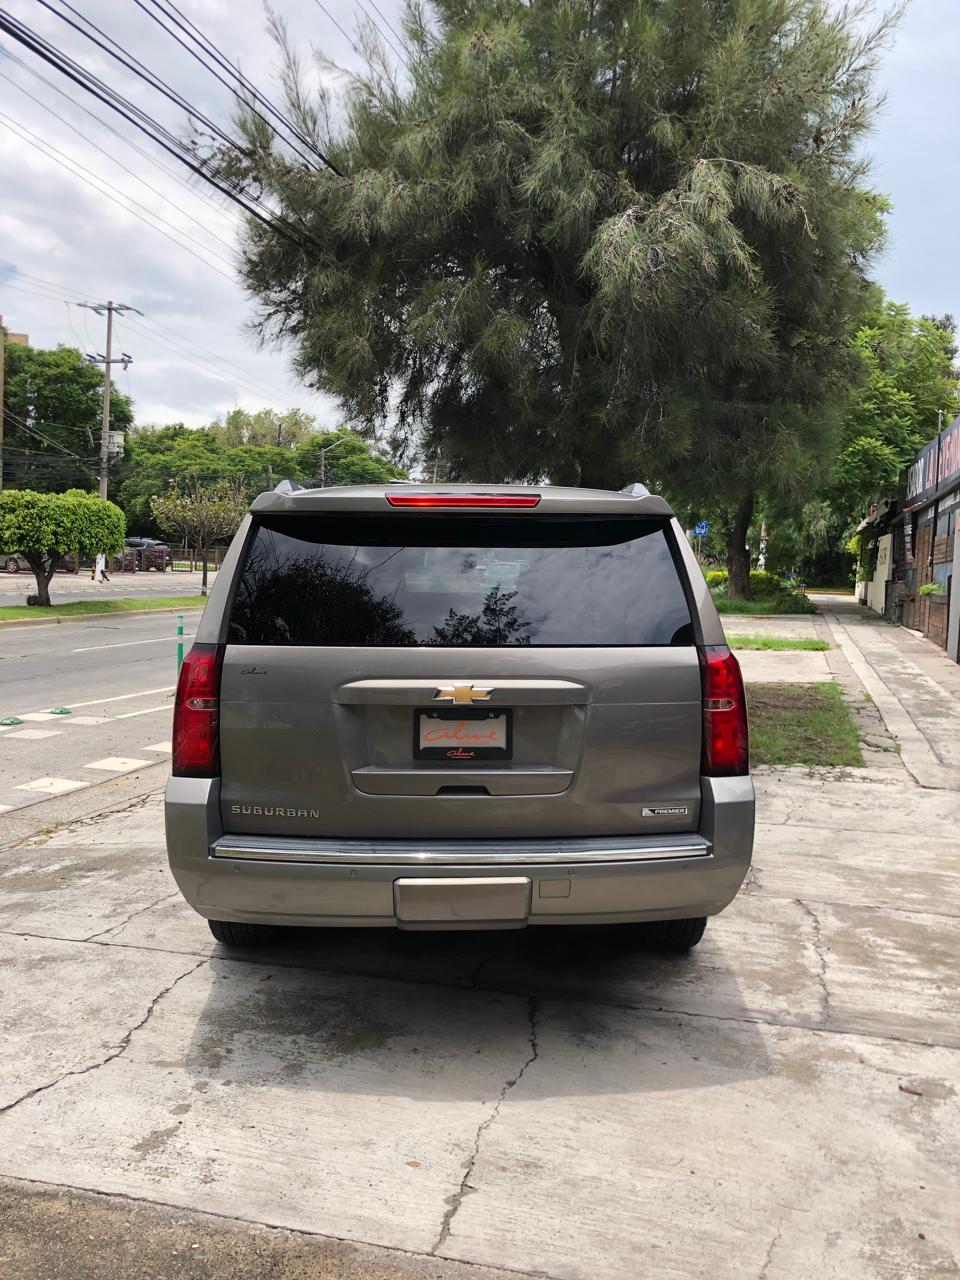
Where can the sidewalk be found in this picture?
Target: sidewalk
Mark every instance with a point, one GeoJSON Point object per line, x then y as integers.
{"type": "Point", "coordinates": [782, 1104]}
{"type": "Point", "coordinates": [915, 686]}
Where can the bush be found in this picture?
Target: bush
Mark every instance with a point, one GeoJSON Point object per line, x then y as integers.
{"type": "Point", "coordinates": [763, 585]}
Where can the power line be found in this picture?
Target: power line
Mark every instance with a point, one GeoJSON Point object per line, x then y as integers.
{"type": "Point", "coordinates": [89, 141]}
{"type": "Point", "coordinates": [252, 94]}
{"type": "Point", "coordinates": [232, 371]}
{"type": "Point", "coordinates": [235, 190]}
{"type": "Point", "coordinates": [66, 163]}
{"type": "Point", "coordinates": [128, 142]}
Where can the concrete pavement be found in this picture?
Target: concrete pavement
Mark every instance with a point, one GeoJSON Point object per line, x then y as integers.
{"type": "Point", "coordinates": [782, 1104]}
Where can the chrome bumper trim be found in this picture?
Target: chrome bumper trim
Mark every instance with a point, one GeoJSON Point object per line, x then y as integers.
{"type": "Point", "coordinates": [459, 853]}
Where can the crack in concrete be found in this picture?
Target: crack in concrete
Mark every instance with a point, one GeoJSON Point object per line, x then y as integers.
{"type": "Point", "coordinates": [818, 944]}
{"type": "Point", "coordinates": [456, 1200]}
{"type": "Point", "coordinates": [778, 1235]}
{"type": "Point", "coordinates": [102, 933]}
{"type": "Point", "coordinates": [114, 1053]}
{"type": "Point", "coordinates": [494, 955]}
{"type": "Point", "coordinates": [561, 998]}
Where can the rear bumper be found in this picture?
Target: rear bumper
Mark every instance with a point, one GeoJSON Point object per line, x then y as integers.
{"type": "Point", "coordinates": [394, 883]}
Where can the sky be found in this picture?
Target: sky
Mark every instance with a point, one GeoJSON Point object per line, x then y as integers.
{"type": "Point", "coordinates": [64, 241]}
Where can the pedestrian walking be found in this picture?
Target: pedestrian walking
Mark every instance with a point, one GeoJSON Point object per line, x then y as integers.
{"type": "Point", "coordinates": [100, 569]}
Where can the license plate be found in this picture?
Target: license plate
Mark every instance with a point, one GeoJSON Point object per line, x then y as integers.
{"type": "Point", "coordinates": [467, 736]}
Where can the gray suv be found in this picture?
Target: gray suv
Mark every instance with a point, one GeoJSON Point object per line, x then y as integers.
{"type": "Point", "coordinates": [459, 707]}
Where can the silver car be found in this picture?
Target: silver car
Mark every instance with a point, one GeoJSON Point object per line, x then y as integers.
{"type": "Point", "coordinates": [459, 707]}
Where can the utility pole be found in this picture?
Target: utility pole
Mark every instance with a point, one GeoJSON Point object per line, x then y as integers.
{"type": "Point", "coordinates": [107, 309]}
{"type": "Point", "coordinates": [3, 360]}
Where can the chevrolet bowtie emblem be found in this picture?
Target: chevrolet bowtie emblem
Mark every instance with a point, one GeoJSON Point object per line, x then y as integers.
{"type": "Point", "coordinates": [461, 693]}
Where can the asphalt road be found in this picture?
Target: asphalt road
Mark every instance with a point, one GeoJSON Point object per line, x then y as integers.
{"type": "Point", "coordinates": [67, 588]}
{"type": "Point", "coordinates": [117, 677]}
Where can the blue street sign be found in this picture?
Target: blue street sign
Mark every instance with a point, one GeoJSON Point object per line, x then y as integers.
{"type": "Point", "coordinates": [702, 529]}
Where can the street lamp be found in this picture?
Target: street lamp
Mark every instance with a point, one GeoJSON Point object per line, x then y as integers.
{"type": "Point", "coordinates": [323, 460]}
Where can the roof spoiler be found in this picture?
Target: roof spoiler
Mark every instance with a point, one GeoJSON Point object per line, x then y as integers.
{"type": "Point", "coordinates": [636, 490]}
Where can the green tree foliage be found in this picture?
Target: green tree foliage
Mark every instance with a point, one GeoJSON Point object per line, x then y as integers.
{"type": "Point", "coordinates": [201, 514]}
{"type": "Point", "coordinates": [43, 527]}
{"type": "Point", "coordinates": [909, 377]}
{"type": "Point", "coordinates": [349, 460]}
{"type": "Point", "coordinates": [53, 405]}
{"type": "Point", "coordinates": [586, 242]}
{"type": "Point", "coordinates": [155, 456]}
{"type": "Point", "coordinates": [265, 427]}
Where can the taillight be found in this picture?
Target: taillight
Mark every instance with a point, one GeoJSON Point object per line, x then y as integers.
{"type": "Point", "coordinates": [726, 747]}
{"type": "Point", "coordinates": [463, 499]}
{"type": "Point", "coordinates": [196, 715]}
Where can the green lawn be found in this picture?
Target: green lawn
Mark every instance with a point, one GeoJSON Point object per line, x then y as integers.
{"type": "Point", "coordinates": [801, 724]}
{"type": "Point", "coordinates": [78, 608]}
{"type": "Point", "coordinates": [776, 642]}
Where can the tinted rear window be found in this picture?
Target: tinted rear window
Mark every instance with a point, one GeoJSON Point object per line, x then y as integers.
{"type": "Point", "coordinates": [428, 580]}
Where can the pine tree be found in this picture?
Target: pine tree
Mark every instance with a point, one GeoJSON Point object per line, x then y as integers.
{"type": "Point", "coordinates": [587, 241]}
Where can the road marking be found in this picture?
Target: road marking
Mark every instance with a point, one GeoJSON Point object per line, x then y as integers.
{"type": "Point", "coordinates": [117, 764]}
{"type": "Point", "coordinates": [34, 735]}
{"type": "Point", "coordinates": [125, 644]}
{"type": "Point", "coordinates": [120, 697]}
{"type": "Point", "coordinates": [127, 715]}
{"type": "Point", "coordinates": [5, 807]}
{"type": "Point", "coordinates": [165, 747]}
{"type": "Point", "coordinates": [39, 715]}
{"type": "Point", "coordinates": [52, 786]}
{"type": "Point", "coordinates": [87, 720]}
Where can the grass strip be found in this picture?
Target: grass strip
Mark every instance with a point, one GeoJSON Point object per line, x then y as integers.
{"type": "Point", "coordinates": [79, 608]}
{"type": "Point", "coordinates": [801, 724]}
{"type": "Point", "coordinates": [780, 604]}
{"type": "Point", "coordinates": [776, 642]}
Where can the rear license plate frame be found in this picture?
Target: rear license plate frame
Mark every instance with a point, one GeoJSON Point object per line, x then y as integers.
{"type": "Point", "coordinates": [465, 754]}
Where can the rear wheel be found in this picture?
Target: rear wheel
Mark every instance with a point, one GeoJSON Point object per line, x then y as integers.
{"type": "Point", "coordinates": [234, 933]}
{"type": "Point", "coordinates": [674, 935]}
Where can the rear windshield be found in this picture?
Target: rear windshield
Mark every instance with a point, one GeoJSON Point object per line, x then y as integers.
{"type": "Point", "coordinates": [455, 581]}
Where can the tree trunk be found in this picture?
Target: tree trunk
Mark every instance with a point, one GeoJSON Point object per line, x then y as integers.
{"type": "Point", "coordinates": [43, 571]}
{"type": "Point", "coordinates": [204, 551]}
{"type": "Point", "coordinates": [738, 556]}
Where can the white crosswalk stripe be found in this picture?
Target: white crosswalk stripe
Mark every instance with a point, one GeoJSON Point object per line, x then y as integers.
{"type": "Point", "coordinates": [52, 786]}
{"type": "Point", "coordinates": [117, 764]}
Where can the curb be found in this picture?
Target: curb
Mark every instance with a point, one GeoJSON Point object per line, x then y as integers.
{"type": "Point", "coordinates": [18, 825]}
{"type": "Point", "coordinates": [93, 617]}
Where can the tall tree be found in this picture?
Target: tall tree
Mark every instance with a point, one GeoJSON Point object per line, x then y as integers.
{"type": "Point", "coordinates": [585, 242]}
{"type": "Point", "coordinates": [53, 403]}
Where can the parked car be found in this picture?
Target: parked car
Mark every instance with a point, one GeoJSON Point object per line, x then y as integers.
{"type": "Point", "coordinates": [150, 553]}
{"type": "Point", "coordinates": [459, 707]}
{"type": "Point", "coordinates": [16, 562]}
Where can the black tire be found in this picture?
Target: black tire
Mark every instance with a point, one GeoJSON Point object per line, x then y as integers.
{"type": "Point", "coordinates": [13, 565]}
{"type": "Point", "coordinates": [675, 935]}
{"type": "Point", "coordinates": [234, 933]}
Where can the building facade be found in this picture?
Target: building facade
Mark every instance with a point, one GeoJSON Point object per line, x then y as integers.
{"type": "Point", "coordinates": [915, 577]}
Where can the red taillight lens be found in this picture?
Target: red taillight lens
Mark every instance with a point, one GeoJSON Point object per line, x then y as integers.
{"type": "Point", "coordinates": [196, 716]}
{"type": "Point", "coordinates": [463, 499]}
{"type": "Point", "coordinates": [726, 746]}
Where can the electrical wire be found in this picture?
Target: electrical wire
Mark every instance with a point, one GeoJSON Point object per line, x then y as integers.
{"type": "Point", "coordinates": [235, 372]}
{"type": "Point", "coordinates": [235, 190]}
{"type": "Point", "coordinates": [128, 142]}
{"type": "Point", "coordinates": [89, 141]}
{"type": "Point", "coordinates": [252, 94]}
{"type": "Point", "coordinates": [67, 164]}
